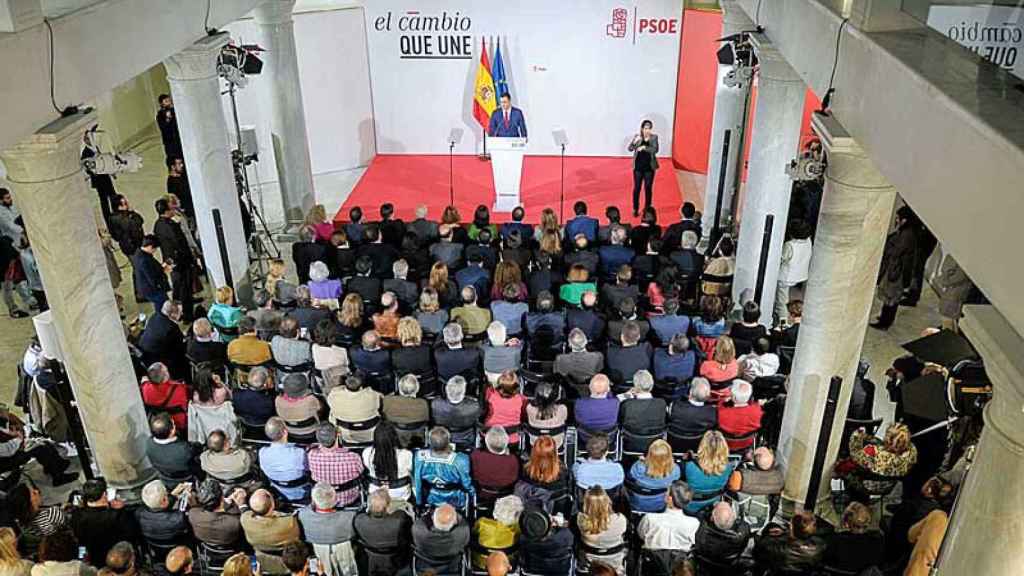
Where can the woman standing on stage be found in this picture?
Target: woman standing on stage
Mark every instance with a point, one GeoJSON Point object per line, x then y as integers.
{"type": "Point", "coordinates": [644, 147]}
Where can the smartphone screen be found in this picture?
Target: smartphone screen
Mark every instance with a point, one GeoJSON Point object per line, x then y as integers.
{"type": "Point", "coordinates": [111, 494]}
{"type": "Point", "coordinates": [255, 565]}
{"type": "Point", "coordinates": [81, 552]}
{"type": "Point", "coordinates": [314, 566]}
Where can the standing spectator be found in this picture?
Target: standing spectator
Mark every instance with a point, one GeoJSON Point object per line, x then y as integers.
{"type": "Point", "coordinates": [897, 264]}
{"type": "Point", "coordinates": [794, 266]}
{"type": "Point", "coordinates": [58, 555]}
{"type": "Point", "coordinates": [12, 239]}
{"type": "Point", "coordinates": [178, 186]}
{"type": "Point", "coordinates": [149, 275]}
{"type": "Point", "coordinates": [100, 523]}
{"type": "Point", "coordinates": [177, 253]}
{"type": "Point", "coordinates": [167, 121]}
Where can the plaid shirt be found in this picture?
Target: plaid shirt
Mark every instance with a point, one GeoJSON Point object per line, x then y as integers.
{"type": "Point", "coordinates": [336, 466]}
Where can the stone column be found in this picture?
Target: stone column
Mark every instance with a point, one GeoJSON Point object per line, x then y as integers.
{"type": "Point", "coordinates": [775, 141]}
{"type": "Point", "coordinates": [847, 254]}
{"type": "Point", "coordinates": [986, 535]}
{"type": "Point", "coordinates": [55, 203]}
{"type": "Point", "coordinates": [280, 83]}
{"type": "Point", "coordinates": [730, 109]}
{"type": "Point", "coordinates": [192, 74]}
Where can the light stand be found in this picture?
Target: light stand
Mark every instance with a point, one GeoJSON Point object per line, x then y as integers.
{"type": "Point", "coordinates": [561, 140]}
{"type": "Point", "coordinates": [454, 137]}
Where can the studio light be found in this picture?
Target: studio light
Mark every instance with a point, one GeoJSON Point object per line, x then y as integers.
{"type": "Point", "coordinates": [107, 163]}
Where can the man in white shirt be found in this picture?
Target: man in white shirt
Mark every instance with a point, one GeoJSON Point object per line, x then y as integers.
{"type": "Point", "coordinates": [759, 362]}
{"type": "Point", "coordinates": [794, 266]}
{"type": "Point", "coordinates": [671, 529]}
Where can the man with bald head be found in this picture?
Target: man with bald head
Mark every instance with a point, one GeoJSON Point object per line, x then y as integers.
{"type": "Point", "coordinates": [722, 536]}
{"type": "Point", "coordinates": [498, 564]}
{"type": "Point", "coordinates": [228, 464]}
{"type": "Point", "coordinates": [268, 530]}
{"type": "Point", "coordinates": [439, 539]}
{"type": "Point", "coordinates": [121, 560]}
{"type": "Point", "coordinates": [179, 561]}
{"type": "Point", "coordinates": [600, 411]}
{"type": "Point", "coordinates": [385, 534]}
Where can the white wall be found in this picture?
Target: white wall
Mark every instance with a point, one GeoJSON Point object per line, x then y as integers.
{"type": "Point", "coordinates": [565, 71]}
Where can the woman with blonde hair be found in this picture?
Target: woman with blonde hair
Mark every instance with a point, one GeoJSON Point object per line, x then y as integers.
{"type": "Point", "coordinates": [238, 565]}
{"type": "Point", "coordinates": [447, 293]}
{"type": "Point", "coordinates": [721, 369]}
{"type": "Point", "coordinates": [275, 284]}
{"type": "Point", "coordinates": [548, 226]}
{"type": "Point", "coordinates": [507, 273]}
{"type": "Point", "coordinates": [11, 562]}
{"type": "Point", "coordinates": [892, 457]}
{"type": "Point", "coordinates": [654, 472]}
{"type": "Point", "coordinates": [854, 548]}
{"type": "Point", "coordinates": [429, 314]}
{"type": "Point", "coordinates": [550, 245]}
{"type": "Point", "coordinates": [413, 357]}
{"type": "Point", "coordinates": [351, 324]}
{"type": "Point", "coordinates": [224, 315]}
{"type": "Point", "coordinates": [577, 282]}
{"type": "Point", "coordinates": [708, 473]}
{"type": "Point", "coordinates": [317, 219]}
{"type": "Point", "coordinates": [601, 529]}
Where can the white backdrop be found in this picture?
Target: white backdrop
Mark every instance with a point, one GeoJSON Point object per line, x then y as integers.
{"type": "Point", "coordinates": [566, 69]}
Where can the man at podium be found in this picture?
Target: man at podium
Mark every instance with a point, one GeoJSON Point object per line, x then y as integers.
{"type": "Point", "coordinates": [507, 121]}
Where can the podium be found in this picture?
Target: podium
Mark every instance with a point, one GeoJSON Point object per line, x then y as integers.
{"type": "Point", "coordinates": [507, 166]}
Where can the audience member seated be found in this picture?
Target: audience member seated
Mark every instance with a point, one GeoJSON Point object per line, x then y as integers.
{"type": "Point", "coordinates": [545, 543]}
{"type": "Point", "coordinates": [545, 413]}
{"type": "Point", "coordinates": [797, 550]}
{"type": "Point", "coordinates": [224, 461]}
{"type": "Point", "coordinates": [543, 278]}
{"type": "Point", "coordinates": [692, 416]}
{"type": "Point", "coordinates": [412, 356]}
{"type": "Point", "coordinates": [248, 349]}
{"type": "Point", "coordinates": [452, 358]}
{"type": "Point", "coordinates": [505, 405]}
{"type": "Point", "coordinates": [211, 408]}
{"type": "Point", "coordinates": [759, 362]}
{"type": "Point", "coordinates": [203, 345]}
{"type": "Point", "coordinates": [298, 407]}
{"type": "Point", "coordinates": [179, 561]}
{"type": "Point", "coordinates": [612, 294]}
{"type": "Point", "coordinates": [160, 521]}
{"type": "Point", "coordinates": [162, 340]}
{"type": "Point", "coordinates": [495, 469]}
{"type": "Point", "coordinates": [672, 529]}
{"type": "Point", "coordinates": [170, 455]}
{"type": "Point", "coordinates": [253, 400]}
{"type": "Point", "coordinates": [35, 520]}
{"type": "Point", "coordinates": [307, 250]}
{"type": "Point", "coordinates": [602, 531]}
{"type": "Point", "coordinates": [722, 536]}
{"type": "Point", "coordinates": [388, 465]}
{"type": "Point", "coordinates": [439, 540]}
{"type": "Point", "coordinates": [440, 474]}
{"type": "Point", "coordinates": [267, 530]}
{"type": "Point", "coordinates": [641, 414]}
{"type": "Point", "coordinates": [721, 369]}
{"type": "Point", "coordinates": [670, 323]}
{"type": "Point", "coordinates": [224, 315]}
{"type": "Point", "coordinates": [385, 322]}
{"type": "Point", "coordinates": [431, 316]}
{"type": "Point", "coordinates": [855, 546]}
{"type": "Point", "coordinates": [325, 292]}
{"type": "Point", "coordinates": [615, 255]}
{"type": "Point", "coordinates": [596, 470]}
{"type": "Point", "coordinates": [500, 533]}
{"type": "Point", "coordinates": [655, 473]}
{"type": "Point", "coordinates": [446, 251]}
{"type": "Point", "coordinates": [627, 313]}
{"type": "Point", "coordinates": [599, 412]}
{"type": "Point", "coordinates": [447, 292]}
{"type": "Point", "coordinates": [749, 329]}
{"type": "Point", "coordinates": [351, 323]}
{"type": "Point", "coordinates": [936, 494]}
{"type": "Point", "coordinates": [381, 255]}
{"type": "Point", "coordinates": [578, 364]}
{"type": "Point", "coordinates": [545, 320]}
{"type": "Point", "coordinates": [500, 352]}
{"type": "Point", "coordinates": [329, 530]}
{"type": "Point", "coordinates": [586, 318]}
{"type": "Point", "coordinates": [363, 284]}
{"type": "Point", "coordinates": [892, 457]}
{"type": "Point", "coordinates": [267, 319]}
{"type": "Point", "coordinates": [332, 463]}
{"type": "Point", "coordinates": [473, 319]}
{"type": "Point", "coordinates": [475, 274]}
{"type": "Point", "coordinates": [927, 537]}
{"type": "Point", "coordinates": [325, 350]}
{"type": "Point", "coordinates": [711, 321]}
{"type": "Point", "coordinates": [676, 361]}
{"type": "Point", "coordinates": [516, 225]}
{"type": "Point", "coordinates": [407, 412]}
{"type": "Point", "coordinates": [708, 473]}
{"type": "Point", "coordinates": [99, 523]}
{"type": "Point", "coordinates": [545, 471]}
{"type": "Point", "coordinates": [369, 357]}
{"type": "Point", "coordinates": [306, 313]}
{"type": "Point", "coordinates": [405, 290]}
{"type": "Point", "coordinates": [457, 413]}
{"type": "Point", "coordinates": [355, 409]}
{"type": "Point", "coordinates": [216, 520]}
{"type": "Point", "coordinates": [738, 416]}
{"type": "Point", "coordinates": [508, 276]}
{"type": "Point", "coordinates": [58, 555]}
{"type": "Point", "coordinates": [289, 351]}
{"type": "Point", "coordinates": [583, 254]}
{"type": "Point", "coordinates": [162, 394]}
{"type": "Point", "coordinates": [623, 362]}
{"type": "Point", "coordinates": [283, 463]}
{"type": "Point", "coordinates": [384, 535]}
{"type": "Point", "coordinates": [577, 283]}
{"type": "Point", "coordinates": [120, 560]}
{"type": "Point", "coordinates": [787, 335]}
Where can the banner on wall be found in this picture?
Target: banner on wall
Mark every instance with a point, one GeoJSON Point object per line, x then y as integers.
{"type": "Point", "coordinates": [593, 68]}
{"type": "Point", "coordinates": [996, 33]}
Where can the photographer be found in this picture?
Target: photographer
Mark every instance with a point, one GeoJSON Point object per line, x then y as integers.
{"type": "Point", "coordinates": [15, 451]}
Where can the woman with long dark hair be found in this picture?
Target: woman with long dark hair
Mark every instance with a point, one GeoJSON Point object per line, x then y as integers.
{"type": "Point", "coordinates": [388, 464]}
{"type": "Point", "coordinates": [644, 147]}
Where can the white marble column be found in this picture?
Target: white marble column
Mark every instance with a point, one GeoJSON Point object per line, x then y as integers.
{"type": "Point", "coordinates": [730, 106]}
{"type": "Point", "coordinates": [192, 74]}
{"type": "Point", "coordinates": [986, 535]}
{"type": "Point", "coordinates": [774, 142]}
{"type": "Point", "coordinates": [280, 83]}
{"type": "Point", "coordinates": [852, 226]}
{"type": "Point", "coordinates": [50, 190]}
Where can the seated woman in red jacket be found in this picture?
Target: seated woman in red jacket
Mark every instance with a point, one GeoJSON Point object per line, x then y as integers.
{"type": "Point", "coordinates": [505, 405]}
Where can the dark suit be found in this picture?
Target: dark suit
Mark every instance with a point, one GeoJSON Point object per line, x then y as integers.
{"type": "Point", "coordinates": [623, 362]}
{"type": "Point", "coordinates": [514, 127]}
{"type": "Point", "coordinates": [674, 235]}
{"type": "Point", "coordinates": [459, 361]}
{"type": "Point", "coordinates": [375, 361]}
{"type": "Point", "coordinates": [478, 278]}
{"type": "Point", "coordinates": [688, 419]}
{"type": "Point", "coordinates": [404, 289]}
{"type": "Point", "coordinates": [581, 224]}
{"type": "Point", "coordinates": [612, 258]}
{"type": "Point", "coordinates": [304, 254]}
{"type": "Point", "coordinates": [369, 289]}
{"type": "Point", "coordinates": [174, 246]}
{"type": "Point", "coordinates": [392, 232]}
{"type": "Point", "coordinates": [150, 281]}
{"type": "Point", "coordinates": [162, 341]}
{"type": "Point", "coordinates": [589, 321]}
{"type": "Point", "coordinates": [383, 257]}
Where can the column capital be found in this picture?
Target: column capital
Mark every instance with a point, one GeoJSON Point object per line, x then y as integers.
{"type": "Point", "coordinates": [999, 346]}
{"type": "Point", "coordinates": [274, 12]}
{"type": "Point", "coordinates": [848, 163]}
{"type": "Point", "coordinates": [52, 153]}
{"type": "Point", "coordinates": [773, 66]}
{"type": "Point", "coordinates": [198, 61]}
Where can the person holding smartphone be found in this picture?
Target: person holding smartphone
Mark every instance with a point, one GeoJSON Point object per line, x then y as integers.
{"type": "Point", "coordinates": [644, 147]}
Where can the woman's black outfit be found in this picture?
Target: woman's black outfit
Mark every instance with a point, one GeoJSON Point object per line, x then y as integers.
{"type": "Point", "coordinates": [645, 163]}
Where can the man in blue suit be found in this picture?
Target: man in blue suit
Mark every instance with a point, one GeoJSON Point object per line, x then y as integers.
{"type": "Point", "coordinates": [581, 224]}
{"type": "Point", "coordinates": [149, 275]}
{"type": "Point", "coordinates": [507, 121]}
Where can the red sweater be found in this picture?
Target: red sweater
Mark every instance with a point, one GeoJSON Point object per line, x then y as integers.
{"type": "Point", "coordinates": [171, 397]}
{"type": "Point", "coordinates": [739, 420]}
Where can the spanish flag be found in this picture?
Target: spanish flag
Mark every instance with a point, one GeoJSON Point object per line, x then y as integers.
{"type": "Point", "coordinates": [484, 101]}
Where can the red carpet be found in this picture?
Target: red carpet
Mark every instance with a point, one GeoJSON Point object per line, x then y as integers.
{"type": "Point", "coordinates": [408, 181]}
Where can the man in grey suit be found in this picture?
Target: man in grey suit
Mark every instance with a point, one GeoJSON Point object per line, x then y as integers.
{"type": "Point", "coordinates": [579, 365]}
{"type": "Point", "coordinates": [644, 147]}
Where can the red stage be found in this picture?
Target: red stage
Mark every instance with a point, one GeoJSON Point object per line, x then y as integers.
{"type": "Point", "coordinates": [408, 181]}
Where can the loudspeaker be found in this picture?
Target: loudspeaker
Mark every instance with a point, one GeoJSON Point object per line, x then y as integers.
{"type": "Point", "coordinates": [249, 144]}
